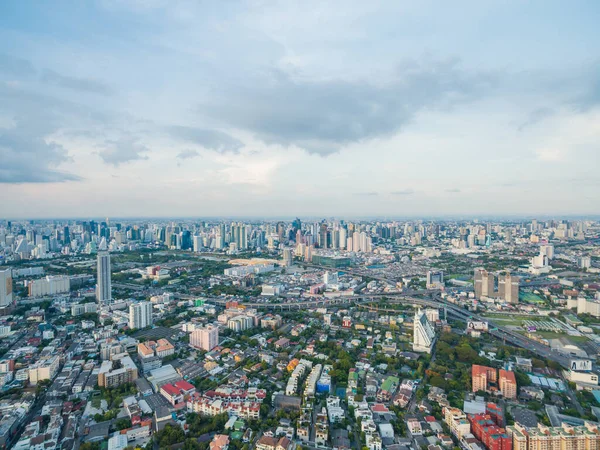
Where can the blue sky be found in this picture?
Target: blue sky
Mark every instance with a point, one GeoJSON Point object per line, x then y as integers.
{"type": "Point", "coordinates": [149, 108]}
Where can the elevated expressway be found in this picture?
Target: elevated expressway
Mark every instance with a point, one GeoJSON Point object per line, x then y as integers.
{"type": "Point", "coordinates": [500, 332]}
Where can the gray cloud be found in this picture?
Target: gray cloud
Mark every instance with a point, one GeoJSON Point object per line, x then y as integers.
{"type": "Point", "coordinates": [403, 192]}
{"type": "Point", "coordinates": [76, 84]}
{"type": "Point", "coordinates": [536, 116]}
{"type": "Point", "coordinates": [210, 139]}
{"type": "Point", "coordinates": [188, 154]}
{"type": "Point", "coordinates": [121, 151]}
{"type": "Point", "coordinates": [15, 66]}
{"type": "Point", "coordinates": [26, 154]}
{"type": "Point", "coordinates": [321, 116]}
{"type": "Point", "coordinates": [453, 190]}
{"type": "Point", "coordinates": [589, 83]}
{"type": "Point", "coordinates": [27, 158]}
{"type": "Point", "coordinates": [366, 194]}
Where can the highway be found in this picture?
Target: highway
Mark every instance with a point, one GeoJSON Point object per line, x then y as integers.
{"type": "Point", "coordinates": [415, 298]}
{"type": "Point", "coordinates": [496, 330]}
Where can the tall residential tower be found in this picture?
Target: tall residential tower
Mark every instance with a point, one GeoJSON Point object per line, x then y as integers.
{"type": "Point", "coordinates": [103, 286]}
{"type": "Point", "coordinates": [140, 315]}
{"type": "Point", "coordinates": [6, 289]}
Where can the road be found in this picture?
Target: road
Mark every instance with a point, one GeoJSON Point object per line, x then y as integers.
{"type": "Point", "coordinates": [35, 410]}
{"type": "Point", "coordinates": [574, 400]}
{"type": "Point", "coordinates": [416, 298]}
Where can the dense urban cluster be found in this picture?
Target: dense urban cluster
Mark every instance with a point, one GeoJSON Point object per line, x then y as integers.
{"type": "Point", "coordinates": [276, 335]}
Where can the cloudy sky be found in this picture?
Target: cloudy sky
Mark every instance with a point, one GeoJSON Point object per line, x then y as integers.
{"type": "Point", "coordinates": [266, 108]}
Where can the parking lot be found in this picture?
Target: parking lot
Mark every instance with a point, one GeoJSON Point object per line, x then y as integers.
{"type": "Point", "coordinates": [525, 417]}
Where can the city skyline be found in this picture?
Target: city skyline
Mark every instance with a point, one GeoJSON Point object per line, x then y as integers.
{"type": "Point", "coordinates": [175, 109]}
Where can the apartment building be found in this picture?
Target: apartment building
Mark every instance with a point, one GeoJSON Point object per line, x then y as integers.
{"type": "Point", "coordinates": [205, 338]}
{"type": "Point", "coordinates": [111, 375]}
{"type": "Point", "coordinates": [482, 378]}
{"type": "Point", "coordinates": [45, 369]}
{"type": "Point", "coordinates": [457, 422]}
{"type": "Point", "coordinates": [491, 435]}
{"type": "Point", "coordinates": [508, 384]}
{"type": "Point", "coordinates": [565, 437]}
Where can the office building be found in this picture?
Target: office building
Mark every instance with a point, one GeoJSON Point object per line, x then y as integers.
{"type": "Point", "coordinates": [423, 333]}
{"type": "Point", "coordinates": [140, 315]}
{"type": "Point", "coordinates": [287, 257]}
{"type": "Point", "coordinates": [197, 243]}
{"type": "Point", "coordinates": [205, 338]}
{"type": "Point", "coordinates": [435, 280]}
{"type": "Point", "coordinates": [6, 289]}
{"type": "Point", "coordinates": [103, 284]}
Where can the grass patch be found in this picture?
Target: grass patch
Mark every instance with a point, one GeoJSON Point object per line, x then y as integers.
{"type": "Point", "coordinates": [552, 335]}
{"type": "Point", "coordinates": [512, 316]}
{"type": "Point", "coordinates": [508, 321]}
{"type": "Point", "coordinates": [529, 297]}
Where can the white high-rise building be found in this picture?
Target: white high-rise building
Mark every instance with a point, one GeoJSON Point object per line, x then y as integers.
{"type": "Point", "coordinates": [287, 257]}
{"type": "Point", "coordinates": [103, 285]}
{"type": "Point", "coordinates": [49, 286]}
{"type": "Point", "coordinates": [547, 250]}
{"type": "Point", "coordinates": [6, 289]}
{"type": "Point", "coordinates": [140, 315]}
{"type": "Point", "coordinates": [197, 243]}
{"type": "Point", "coordinates": [343, 238]}
{"type": "Point", "coordinates": [205, 338]}
{"type": "Point", "coordinates": [330, 278]}
{"type": "Point", "coordinates": [423, 333]}
{"type": "Point", "coordinates": [356, 242]}
{"type": "Point", "coordinates": [335, 239]}
{"type": "Point", "coordinates": [584, 262]}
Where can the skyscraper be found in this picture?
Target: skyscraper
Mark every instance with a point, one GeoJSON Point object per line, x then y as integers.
{"type": "Point", "coordinates": [287, 257]}
{"type": "Point", "coordinates": [343, 238]}
{"type": "Point", "coordinates": [507, 286]}
{"type": "Point", "coordinates": [323, 234]}
{"type": "Point", "coordinates": [197, 243]}
{"type": "Point", "coordinates": [140, 315]}
{"type": "Point", "coordinates": [6, 297]}
{"type": "Point", "coordinates": [103, 285]}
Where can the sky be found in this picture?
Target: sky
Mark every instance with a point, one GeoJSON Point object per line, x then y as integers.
{"type": "Point", "coordinates": [295, 108]}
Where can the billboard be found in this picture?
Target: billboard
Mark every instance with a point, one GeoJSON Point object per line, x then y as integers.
{"type": "Point", "coordinates": [581, 364]}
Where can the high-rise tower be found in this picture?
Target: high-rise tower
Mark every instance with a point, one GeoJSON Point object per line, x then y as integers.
{"type": "Point", "coordinates": [6, 289]}
{"type": "Point", "coordinates": [103, 285]}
